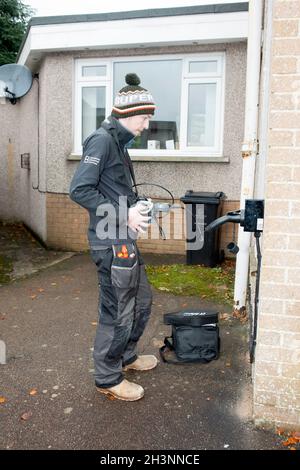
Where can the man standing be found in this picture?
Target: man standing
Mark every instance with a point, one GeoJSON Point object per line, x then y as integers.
{"type": "Point", "coordinates": [103, 185]}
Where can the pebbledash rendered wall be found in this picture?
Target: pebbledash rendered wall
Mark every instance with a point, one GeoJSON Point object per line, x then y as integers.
{"type": "Point", "coordinates": [18, 135]}
{"type": "Point", "coordinates": [66, 222]}
{"type": "Point", "coordinates": [276, 371]}
{"type": "Point", "coordinates": [9, 150]}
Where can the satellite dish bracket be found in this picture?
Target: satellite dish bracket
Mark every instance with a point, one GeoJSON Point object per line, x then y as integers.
{"type": "Point", "coordinates": [13, 99]}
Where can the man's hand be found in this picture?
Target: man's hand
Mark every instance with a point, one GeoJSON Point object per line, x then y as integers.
{"type": "Point", "coordinates": [138, 218]}
{"type": "Point", "coordinates": [145, 206]}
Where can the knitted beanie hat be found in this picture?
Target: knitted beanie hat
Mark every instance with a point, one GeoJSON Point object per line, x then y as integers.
{"type": "Point", "coordinates": [132, 99]}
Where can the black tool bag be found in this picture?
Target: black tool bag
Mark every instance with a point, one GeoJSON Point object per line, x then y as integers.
{"type": "Point", "coordinates": [195, 336]}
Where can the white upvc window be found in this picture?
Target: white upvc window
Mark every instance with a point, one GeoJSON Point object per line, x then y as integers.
{"type": "Point", "coordinates": [92, 98]}
{"type": "Point", "coordinates": [187, 89]}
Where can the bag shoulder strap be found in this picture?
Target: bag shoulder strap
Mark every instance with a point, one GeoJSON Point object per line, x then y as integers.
{"type": "Point", "coordinates": [110, 129]}
{"type": "Point", "coordinates": [168, 346]}
{"type": "Point", "coordinates": [127, 156]}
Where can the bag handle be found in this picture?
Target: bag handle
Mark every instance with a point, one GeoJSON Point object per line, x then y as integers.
{"type": "Point", "coordinates": [168, 346]}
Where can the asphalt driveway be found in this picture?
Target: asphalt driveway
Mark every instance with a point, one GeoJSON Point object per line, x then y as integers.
{"type": "Point", "coordinates": [48, 322]}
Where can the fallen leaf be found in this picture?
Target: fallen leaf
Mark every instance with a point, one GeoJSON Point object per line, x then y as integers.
{"type": "Point", "coordinates": [290, 441]}
{"type": "Point", "coordinates": [33, 392]}
{"type": "Point", "coordinates": [26, 416]}
{"type": "Point", "coordinates": [228, 364]}
{"type": "Point", "coordinates": [33, 296]}
{"type": "Point", "coordinates": [94, 323]}
{"type": "Point", "coordinates": [2, 400]}
{"type": "Point", "coordinates": [53, 284]}
{"type": "Point", "coordinates": [41, 290]}
{"type": "Point", "coordinates": [241, 314]}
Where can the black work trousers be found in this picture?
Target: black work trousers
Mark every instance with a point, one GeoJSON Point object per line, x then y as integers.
{"type": "Point", "coordinates": [125, 300]}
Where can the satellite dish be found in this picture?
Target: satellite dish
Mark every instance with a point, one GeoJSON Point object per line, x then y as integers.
{"type": "Point", "coordinates": [15, 81]}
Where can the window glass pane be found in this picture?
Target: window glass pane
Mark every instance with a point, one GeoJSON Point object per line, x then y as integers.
{"type": "Point", "coordinates": [94, 71]}
{"type": "Point", "coordinates": [93, 109]}
{"type": "Point", "coordinates": [208, 66]}
{"type": "Point", "coordinates": [201, 114]}
{"type": "Point", "coordinates": [163, 79]}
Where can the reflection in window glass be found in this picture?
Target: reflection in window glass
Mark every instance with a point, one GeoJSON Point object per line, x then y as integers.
{"type": "Point", "coordinates": [93, 109]}
{"type": "Point", "coordinates": [201, 114]}
{"type": "Point", "coordinates": [163, 79]}
{"type": "Point", "coordinates": [207, 66]}
{"type": "Point", "coordinates": [94, 71]}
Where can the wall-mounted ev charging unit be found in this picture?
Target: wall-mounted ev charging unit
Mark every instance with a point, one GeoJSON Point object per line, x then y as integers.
{"type": "Point", "coordinates": [252, 219]}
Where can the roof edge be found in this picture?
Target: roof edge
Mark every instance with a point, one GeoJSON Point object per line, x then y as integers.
{"type": "Point", "coordinates": [134, 14]}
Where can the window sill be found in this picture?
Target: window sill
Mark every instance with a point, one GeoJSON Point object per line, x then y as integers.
{"type": "Point", "coordinates": [179, 159]}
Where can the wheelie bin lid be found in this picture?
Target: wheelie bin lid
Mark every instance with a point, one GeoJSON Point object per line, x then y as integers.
{"type": "Point", "coordinates": [202, 197]}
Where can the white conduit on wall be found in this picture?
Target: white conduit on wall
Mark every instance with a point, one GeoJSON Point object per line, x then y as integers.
{"type": "Point", "coordinates": [249, 147]}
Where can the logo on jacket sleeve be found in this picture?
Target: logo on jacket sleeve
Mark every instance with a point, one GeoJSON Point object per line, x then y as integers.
{"type": "Point", "coordinates": [92, 160]}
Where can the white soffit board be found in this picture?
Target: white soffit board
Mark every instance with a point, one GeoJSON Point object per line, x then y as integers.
{"type": "Point", "coordinates": [176, 30]}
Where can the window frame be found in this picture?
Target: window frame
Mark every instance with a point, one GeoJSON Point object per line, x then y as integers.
{"type": "Point", "coordinates": [217, 77]}
{"type": "Point", "coordinates": [84, 82]}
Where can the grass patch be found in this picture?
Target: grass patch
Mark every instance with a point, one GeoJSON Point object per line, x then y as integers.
{"type": "Point", "coordinates": [6, 267]}
{"type": "Point", "coordinates": [214, 284]}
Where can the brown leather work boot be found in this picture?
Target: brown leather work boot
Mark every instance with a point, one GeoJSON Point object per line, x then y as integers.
{"type": "Point", "coordinates": [127, 391]}
{"type": "Point", "coordinates": [142, 363]}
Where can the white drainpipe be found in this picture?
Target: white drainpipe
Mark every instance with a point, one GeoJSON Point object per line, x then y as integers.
{"type": "Point", "coordinates": [249, 146]}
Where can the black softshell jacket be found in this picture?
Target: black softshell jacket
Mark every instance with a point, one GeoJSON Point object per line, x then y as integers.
{"type": "Point", "coordinates": [104, 174]}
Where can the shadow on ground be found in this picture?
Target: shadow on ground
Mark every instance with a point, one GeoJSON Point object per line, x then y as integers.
{"type": "Point", "coordinates": [21, 254]}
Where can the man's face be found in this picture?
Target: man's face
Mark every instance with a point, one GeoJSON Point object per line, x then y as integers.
{"type": "Point", "coordinates": [136, 124]}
